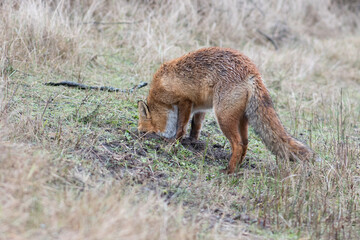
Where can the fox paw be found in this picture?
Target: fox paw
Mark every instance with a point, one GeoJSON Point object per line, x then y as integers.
{"type": "Point", "coordinates": [226, 171]}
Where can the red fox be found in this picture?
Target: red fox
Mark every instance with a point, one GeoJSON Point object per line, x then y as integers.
{"type": "Point", "coordinates": [228, 82]}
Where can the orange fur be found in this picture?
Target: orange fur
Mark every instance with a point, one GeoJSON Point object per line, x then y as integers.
{"type": "Point", "coordinates": [228, 82]}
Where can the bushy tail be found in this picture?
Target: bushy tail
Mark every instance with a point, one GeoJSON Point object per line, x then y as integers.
{"type": "Point", "coordinates": [266, 123]}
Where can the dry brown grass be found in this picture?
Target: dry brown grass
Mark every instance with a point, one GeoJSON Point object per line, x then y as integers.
{"type": "Point", "coordinates": [40, 201]}
{"type": "Point", "coordinates": [48, 187]}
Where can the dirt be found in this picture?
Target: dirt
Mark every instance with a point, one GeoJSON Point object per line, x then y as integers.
{"type": "Point", "coordinates": [122, 157]}
{"type": "Point", "coordinates": [124, 160]}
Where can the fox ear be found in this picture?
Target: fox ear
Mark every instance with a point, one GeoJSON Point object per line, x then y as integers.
{"type": "Point", "coordinates": [144, 112]}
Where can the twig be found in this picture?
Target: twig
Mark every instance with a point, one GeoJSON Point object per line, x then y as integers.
{"type": "Point", "coordinates": [50, 100]}
{"type": "Point", "coordinates": [267, 37]}
{"type": "Point", "coordinates": [102, 88]}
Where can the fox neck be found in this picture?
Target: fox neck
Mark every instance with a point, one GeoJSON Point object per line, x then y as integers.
{"type": "Point", "coordinates": [171, 123]}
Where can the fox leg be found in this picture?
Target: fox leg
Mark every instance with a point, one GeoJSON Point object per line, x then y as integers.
{"type": "Point", "coordinates": [233, 124]}
{"type": "Point", "coordinates": [196, 123]}
{"type": "Point", "coordinates": [184, 113]}
{"type": "Point", "coordinates": [230, 127]}
{"type": "Point", "coordinates": [243, 127]}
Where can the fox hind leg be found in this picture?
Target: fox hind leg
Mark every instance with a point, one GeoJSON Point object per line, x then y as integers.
{"type": "Point", "coordinates": [232, 133]}
{"type": "Point", "coordinates": [243, 127]}
{"type": "Point", "coordinates": [234, 125]}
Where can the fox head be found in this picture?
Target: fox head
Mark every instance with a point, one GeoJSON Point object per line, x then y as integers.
{"type": "Point", "coordinates": [158, 119]}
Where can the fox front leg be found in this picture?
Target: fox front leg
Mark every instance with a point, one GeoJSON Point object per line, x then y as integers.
{"type": "Point", "coordinates": [196, 123]}
{"type": "Point", "coordinates": [184, 112]}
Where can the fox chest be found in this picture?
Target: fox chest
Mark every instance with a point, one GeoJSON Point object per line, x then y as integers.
{"type": "Point", "coordinates": [171, 123]}
{"type": "Point", "coordinates": [171, 126]}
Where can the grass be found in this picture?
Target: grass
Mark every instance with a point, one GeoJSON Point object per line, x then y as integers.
{"type": "Point", "coordinates": [72, 165]}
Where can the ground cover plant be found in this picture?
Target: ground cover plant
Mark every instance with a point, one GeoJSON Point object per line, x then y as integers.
{"type": "Point", "coordinates": [73, 166]}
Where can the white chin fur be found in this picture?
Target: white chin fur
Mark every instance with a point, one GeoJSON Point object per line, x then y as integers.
{"type": "Point", "coordinates": [171, 123]}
